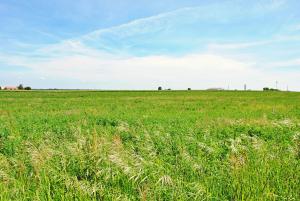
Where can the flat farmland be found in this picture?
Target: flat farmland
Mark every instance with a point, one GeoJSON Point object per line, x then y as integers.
{"type": "Point", "coordinates": [149, 145]}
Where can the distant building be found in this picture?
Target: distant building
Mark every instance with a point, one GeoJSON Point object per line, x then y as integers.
{"type": "Point", "coordinates": [10, 88]}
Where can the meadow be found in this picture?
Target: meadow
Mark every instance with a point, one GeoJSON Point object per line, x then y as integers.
{"type": "Point", "coordinates": [149, 145]}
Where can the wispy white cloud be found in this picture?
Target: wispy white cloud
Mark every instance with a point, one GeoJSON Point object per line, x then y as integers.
{"type": "Point", "coordinates": [185, 27]}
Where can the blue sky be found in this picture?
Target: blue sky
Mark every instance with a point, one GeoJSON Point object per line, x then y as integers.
{"type": "Point", "coordinates": [130, 44]}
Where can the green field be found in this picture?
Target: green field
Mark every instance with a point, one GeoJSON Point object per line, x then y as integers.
{"type": "Point", "coordinates": [168, 145]}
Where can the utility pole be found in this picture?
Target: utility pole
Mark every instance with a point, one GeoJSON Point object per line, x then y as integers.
{"type": "Point", "coordinates": [276, 84]}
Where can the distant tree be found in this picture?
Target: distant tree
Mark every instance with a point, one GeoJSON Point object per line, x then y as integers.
{"type": "Point", "coordinates": [266, 89]}
{"type": "Point", "coordinates": [159, 88]}
{"type": "Point", "coordinates": [27, 88]}
{"type": "Point", "coordinates": [189, 89]}
{"type": "Point", "coordinates": [169, 89]}
{"type": "Point", "coordinates": [0, 88]}
{"type": "Point", "coordinates": [20, 87]}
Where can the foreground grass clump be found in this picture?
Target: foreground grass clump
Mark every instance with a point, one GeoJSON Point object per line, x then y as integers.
{"type": "Point", "coordinates": [193, 145]}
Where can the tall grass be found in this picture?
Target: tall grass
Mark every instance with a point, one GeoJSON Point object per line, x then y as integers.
{"type": "Point", "coordinates": [191, 145]}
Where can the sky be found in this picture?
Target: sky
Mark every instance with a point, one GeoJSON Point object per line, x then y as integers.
{"type": "Point", "coordinates": [142, 44]}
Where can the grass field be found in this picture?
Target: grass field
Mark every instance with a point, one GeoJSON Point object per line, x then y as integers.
{"type": "Point", "coordinates": [169, 145]}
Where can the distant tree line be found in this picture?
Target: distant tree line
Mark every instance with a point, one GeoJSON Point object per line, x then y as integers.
{"type": "Point", "coordinates": [270, 89]}
{"type": "Point", "coordinates": [218, 89]}
{"type": "Point", "coordinates": [19, 87]}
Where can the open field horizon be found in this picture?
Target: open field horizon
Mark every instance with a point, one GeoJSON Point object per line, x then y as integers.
{"type": "Point", "coordinates": [151, 90]}
{"type": "Point", "coordinates": [149, 145]}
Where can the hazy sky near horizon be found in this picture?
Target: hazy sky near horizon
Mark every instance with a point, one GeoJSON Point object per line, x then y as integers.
{"type": "Point", "coordinates": [139, 44]}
